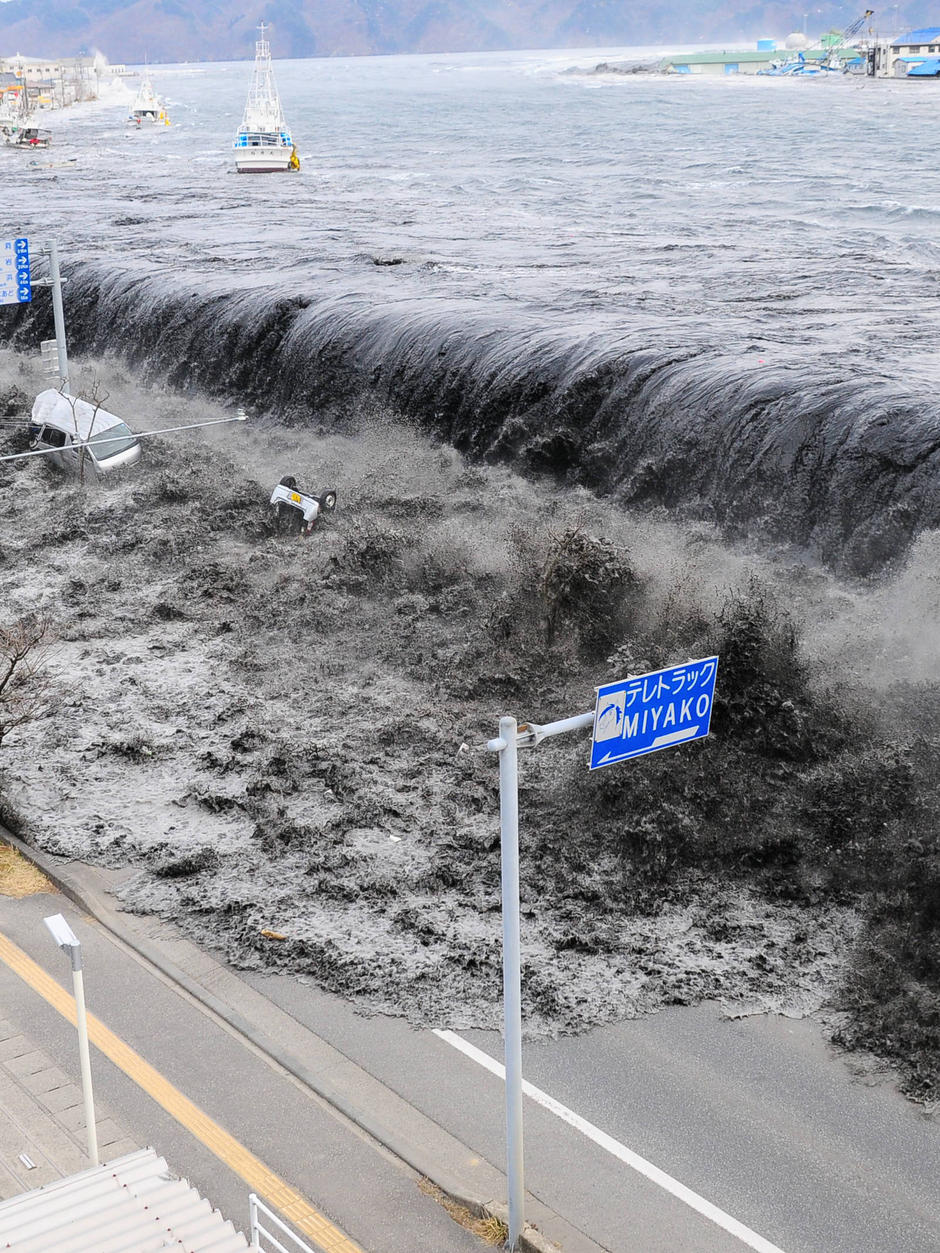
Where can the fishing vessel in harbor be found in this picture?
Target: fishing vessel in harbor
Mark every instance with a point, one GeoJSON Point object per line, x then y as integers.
{"type": "Point", "coordinates": [147, 106]}
{"type": "Point", "coordinates": [263, 144]}
{"type": "Point", "coordinates": [16, 124]}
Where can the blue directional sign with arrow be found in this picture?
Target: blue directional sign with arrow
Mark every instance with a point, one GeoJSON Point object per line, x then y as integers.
{"type": "Point", "coordinates": [641, 715]}
{"type": "Point", "coordinates": [15, 283]}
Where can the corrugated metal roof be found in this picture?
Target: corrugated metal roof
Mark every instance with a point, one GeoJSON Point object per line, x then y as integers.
{"type": "Point", "coordinates": [928, 35]}
{"type": "Point", "coordinates": [134, 1204]}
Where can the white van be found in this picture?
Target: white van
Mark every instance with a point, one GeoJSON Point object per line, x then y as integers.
{"type": "Point", "coordinates": [61, 422]}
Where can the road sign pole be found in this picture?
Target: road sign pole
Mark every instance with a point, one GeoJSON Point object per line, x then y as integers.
{"type": "Point", "coordinates": [678, 698]}
{"type": "Point", "coordinates": [58, 313]}
{"type": "Point", "coordinates": [507, 745]}
{"type": "Point", "coordinates": [512, 972]}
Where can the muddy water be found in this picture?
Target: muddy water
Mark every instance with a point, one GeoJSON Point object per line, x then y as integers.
{"type": "Point", "coordinates": [284, 735]}
{"type": "Point", "coordinates": [716, 295]}
{"type": "Point", "coordinates": [506, 309]}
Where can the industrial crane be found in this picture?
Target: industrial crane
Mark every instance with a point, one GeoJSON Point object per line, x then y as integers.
{"type": "Point", "coordinates": [843, 38]}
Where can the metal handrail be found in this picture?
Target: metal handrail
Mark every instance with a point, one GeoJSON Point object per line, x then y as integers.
{"type": "Point", "coordinates": [255, 1204]}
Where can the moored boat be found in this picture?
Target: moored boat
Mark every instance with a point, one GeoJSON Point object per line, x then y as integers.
{"type": "Point", "coordinates": [147, 106]}
{"type": "Point", "coordinates": [16, 129]}
{"type": "Point", "coordinates": [27, 137]}
{"type": "Point", "coordinates": [263, 144]}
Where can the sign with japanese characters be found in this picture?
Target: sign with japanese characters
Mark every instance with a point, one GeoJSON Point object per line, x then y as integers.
{"type": "Point", "coordinates": [642, 715]}
{"type": "Point", "coordinates": [15, 285]}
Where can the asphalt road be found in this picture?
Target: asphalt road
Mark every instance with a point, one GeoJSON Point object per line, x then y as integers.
{"type": "Point", "coordinates": [355, 1183]}
{"type": "Point", "coordinates": [759, 1116]}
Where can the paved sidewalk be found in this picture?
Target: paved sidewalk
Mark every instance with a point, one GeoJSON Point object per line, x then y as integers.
{"type": "Point", "coordinates": [232, 1059]}
{"type": "Point", "coordinates": [42, 1119]}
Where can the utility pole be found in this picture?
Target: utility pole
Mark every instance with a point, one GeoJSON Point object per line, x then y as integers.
{"type": "Point", "coordinates": [55, 281]}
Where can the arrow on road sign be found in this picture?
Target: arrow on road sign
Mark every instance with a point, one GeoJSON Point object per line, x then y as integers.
{"type": "Point", "coordinates": [647, 712]}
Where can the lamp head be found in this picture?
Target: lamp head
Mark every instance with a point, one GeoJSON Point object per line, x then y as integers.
{"type": "Point", "coordinates": [66, 938]}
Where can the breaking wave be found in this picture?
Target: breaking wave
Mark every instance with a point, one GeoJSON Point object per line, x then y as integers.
{"type": "Point", "coordinates": [845, 467]}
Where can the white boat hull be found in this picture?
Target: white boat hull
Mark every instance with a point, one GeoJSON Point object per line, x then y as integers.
{"type": "Point", "coordinates": [263, 160]}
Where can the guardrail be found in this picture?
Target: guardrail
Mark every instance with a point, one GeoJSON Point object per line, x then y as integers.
{"type": "Point", "coordinates": [257, 1209]}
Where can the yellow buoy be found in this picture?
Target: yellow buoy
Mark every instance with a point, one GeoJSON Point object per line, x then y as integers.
{"type": "Point", "coordinates": [294, 162]}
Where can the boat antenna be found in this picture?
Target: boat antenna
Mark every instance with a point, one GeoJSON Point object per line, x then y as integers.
{"type": "Point", "coordinates": [263, 107]}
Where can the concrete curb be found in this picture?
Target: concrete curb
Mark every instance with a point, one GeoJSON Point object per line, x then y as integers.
{"type": "Point", "coordinates": [425, 1162]}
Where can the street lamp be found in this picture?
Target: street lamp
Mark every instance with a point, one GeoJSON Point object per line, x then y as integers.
{"type": "Point", "coordinates": [69, 943]}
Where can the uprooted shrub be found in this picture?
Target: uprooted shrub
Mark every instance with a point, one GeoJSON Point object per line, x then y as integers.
{"type": "Point", "coordinates": [582, 588]}
{"type": "Point", "coordinates": [890, 996]}
{"type": "Point", "coordinates": [763, 698]}
{"type": "Point", "coordinates": [371, 555]}
{"type": "Point", "coordinates": [566, 603]}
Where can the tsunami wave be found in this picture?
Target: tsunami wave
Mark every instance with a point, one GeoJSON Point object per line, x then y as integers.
{"type": "Point", "coordinates": [847, 468]}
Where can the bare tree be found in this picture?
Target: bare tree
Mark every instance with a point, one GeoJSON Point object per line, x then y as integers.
{"type": "Point", "coordinates": [95, 396]}
{"type": "Point", "coordinates": [24, 683]}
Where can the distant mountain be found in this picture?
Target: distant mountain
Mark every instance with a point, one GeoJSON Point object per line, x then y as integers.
{"type": "Point", "coordinates": [214, 30]}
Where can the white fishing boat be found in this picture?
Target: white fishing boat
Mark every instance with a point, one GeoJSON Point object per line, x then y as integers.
{"type": "Point", "coordinates": [16, 129]}
{"type": "Point", "coordinates": [147, 106]}
{"type": "Point", "coordinates": [263, 144]}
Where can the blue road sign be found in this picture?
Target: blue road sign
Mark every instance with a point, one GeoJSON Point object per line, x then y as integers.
{"type": "Point", "coordinates": [15, 282]}
{"type": "Point", "coordinates": [659, 710]}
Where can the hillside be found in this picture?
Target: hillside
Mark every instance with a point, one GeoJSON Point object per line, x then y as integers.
{"type": "Point", "coordinates": [169, 30]}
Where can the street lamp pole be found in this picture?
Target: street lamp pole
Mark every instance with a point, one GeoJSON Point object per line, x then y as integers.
{"type": "Point", "coordinates": [55, 281]}
{"type": "Point", "coordinates": [68, 941]}
{"type": "Point", "coordinates": [58, 313]}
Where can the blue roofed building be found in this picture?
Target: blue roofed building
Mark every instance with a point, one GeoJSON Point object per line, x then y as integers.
{"type": "Point", "coordinates": [917, 54]}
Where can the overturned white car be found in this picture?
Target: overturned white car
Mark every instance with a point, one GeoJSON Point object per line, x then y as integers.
{"type": "Point", "coordinates": [296, 510]}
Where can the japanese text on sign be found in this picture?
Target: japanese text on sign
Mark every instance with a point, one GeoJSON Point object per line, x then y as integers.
{"type": "Point", "coordinates": [652, 711]}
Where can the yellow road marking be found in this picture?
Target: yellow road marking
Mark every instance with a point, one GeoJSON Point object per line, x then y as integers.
{"type": "Point", "coordinates": [272, 1189]}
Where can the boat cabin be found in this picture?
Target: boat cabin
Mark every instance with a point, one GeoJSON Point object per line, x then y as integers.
{"type": "Point", "coordinates": [263, 139]}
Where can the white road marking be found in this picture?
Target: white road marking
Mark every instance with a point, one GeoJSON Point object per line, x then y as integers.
{"type": "Point", "coordinates": [618, 1150]}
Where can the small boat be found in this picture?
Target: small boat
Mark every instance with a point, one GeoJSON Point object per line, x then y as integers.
{"type": "Point", "coordinates": [147, 106]}
{"type": "Point", "coordinates": [19, 136]}
{"type": "Point", "coordinates": [263, 144]}
{"type": "Point", "coordinates": [16, 129]}
{"type": "Point", "coordinates": [31, 137]}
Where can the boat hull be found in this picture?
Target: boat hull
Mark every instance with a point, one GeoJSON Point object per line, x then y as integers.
{"type": "Point", "coordinates": [263, 160]}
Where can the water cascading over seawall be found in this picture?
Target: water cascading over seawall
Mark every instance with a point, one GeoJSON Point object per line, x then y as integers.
{"type": "Point", "coordinates": [847, 467]}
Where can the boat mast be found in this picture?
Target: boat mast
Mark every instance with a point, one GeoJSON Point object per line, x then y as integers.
{"type": "Point", "coordinates": [263, 108]}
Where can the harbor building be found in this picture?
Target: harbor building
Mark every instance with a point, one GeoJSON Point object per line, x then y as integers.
{"type": "Point", "coordinates": [723, 61]}
{"type": "Point", "coordinates": [53, 83]}
{"type": "Point", "coordinates": [917, 54]}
